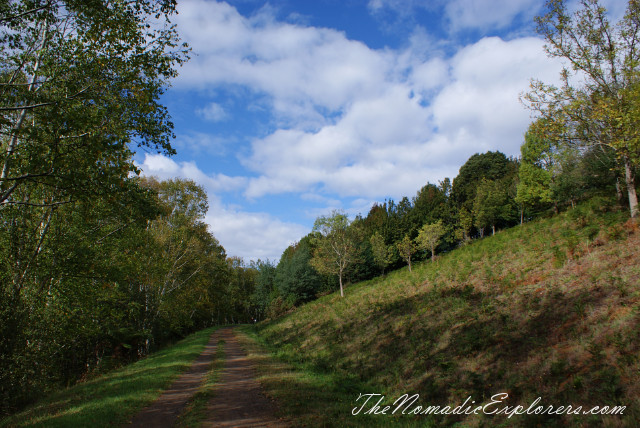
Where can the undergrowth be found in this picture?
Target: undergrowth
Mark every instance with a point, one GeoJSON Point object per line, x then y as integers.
{"type": "Point", "coordinates": [113, 398]}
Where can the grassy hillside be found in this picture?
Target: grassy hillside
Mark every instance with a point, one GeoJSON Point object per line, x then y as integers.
{"type": "Point", "coordinates": [549, 309]}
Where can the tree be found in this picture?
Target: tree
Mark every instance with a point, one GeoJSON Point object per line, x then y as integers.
{"type": "Point", "coordinates": [492, 205]}
{"type": "Point", "coordinates": [429, 236]}
{"type": "Point", "coordinates": [464, 225]}
{"type": "Point", "coordinates": [382, 254]}
{"type": "Point", "coordinates": [296, 278]}
{"type": "Point", "coordinates": [337, 247]}
{"type": "Point", "coordinates": [598, 102]}
{"type": "Point", "coordinates": [535, 173]}
{"type": "Point", "coordinates": [406, 248]}
{"type": "Point", "coordinates": [79, 82]}
{"type": "Point", "coordinates": [265, 289]}
{"type": "Point", "coordinates": [490, 165]}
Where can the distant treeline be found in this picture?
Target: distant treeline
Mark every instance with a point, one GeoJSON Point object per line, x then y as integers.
{"type": "Point", "coordinates": [491, 192]}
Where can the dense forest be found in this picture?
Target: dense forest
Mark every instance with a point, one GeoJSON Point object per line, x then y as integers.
{"type": "Point", "coordinates": [98, 266]}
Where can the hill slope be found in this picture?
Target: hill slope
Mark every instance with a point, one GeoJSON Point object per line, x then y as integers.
{"type": "Point", "coordinates": [548, 309]}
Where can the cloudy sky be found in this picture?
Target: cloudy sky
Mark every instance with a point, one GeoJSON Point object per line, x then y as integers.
{"type": "Point", "coordinates": [291, 108]}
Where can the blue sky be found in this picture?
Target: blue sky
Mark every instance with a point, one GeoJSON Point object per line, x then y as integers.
{"type": "Point", "coordinates": [290, 109]}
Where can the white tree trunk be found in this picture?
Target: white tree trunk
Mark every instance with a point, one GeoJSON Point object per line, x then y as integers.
{"type": "Point", "coordinates": [631, 187]}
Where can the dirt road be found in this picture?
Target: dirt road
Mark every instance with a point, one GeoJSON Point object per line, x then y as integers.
{"type": "Point", "coordinates": [238, 400]}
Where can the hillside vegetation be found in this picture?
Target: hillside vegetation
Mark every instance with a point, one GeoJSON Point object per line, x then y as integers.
{"type": "Point", "coordinates": [548, 309]}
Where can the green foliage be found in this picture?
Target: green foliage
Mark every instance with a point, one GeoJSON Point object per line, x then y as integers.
{"type": "Point", "coordinates": [464, 224]}
{"type": "Point", "coordinates": [490, 166]}
{"type": "Point", "coordinates": [113, 398]}
{"type": "Point", "coordinates": [296, 279]}
{"type": "Point", "coordinates": [429, 237]}
{"type": "Point", "coordinates": [336, 246]}
{"type": "Point", "coordinates": [382, 254]}
{"type": "Point", "coordinates": [535, 172]}
{"type": "Point", "coordinates": [406, 247]}
{"type": "Point", "coordinates": [80, 83]}
{"type": "Point", "coordinates": [493, 205]}
{"type": "Point", "coordinates": [107, 282]}
{"type": "Point", "coordinates": [265, 286]}
{"type": "Point", "coordinates": [601, 108]}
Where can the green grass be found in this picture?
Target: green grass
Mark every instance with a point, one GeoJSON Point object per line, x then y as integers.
{"type": "Point", "coordinates": [114, 398]}
{"type": "Point", "coordinates": [549, 309]}
{"type": "Point", "coordinates": [308, 396]}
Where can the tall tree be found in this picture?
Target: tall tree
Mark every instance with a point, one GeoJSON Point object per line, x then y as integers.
{"type": "Point", "coordinates": [535, 173]}
{"type": "Point", "coordinates": [597, 103]}
{"type": "Point", "coordinates": [490, 165]}
{"type": "Point", "coordinates": [296, 278]}
{"type": "Point", "coordinates": [79, 82]}
{"type": "Point", "coordinates": [337, 248]}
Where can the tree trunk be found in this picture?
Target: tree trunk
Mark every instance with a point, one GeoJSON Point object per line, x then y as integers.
{"type": "Point", "coordinates": [631, 187]}
{"type": "Point", "coordinates": [493, 229]}
{"type": "Point", "coordinates": [433, 253]}
{"type": "Point", "coordinates": [341, 289]}
{"type": "Point", "coordinates": [619, 192]}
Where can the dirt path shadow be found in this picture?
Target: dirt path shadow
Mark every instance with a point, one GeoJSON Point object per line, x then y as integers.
{"type": "Point", "coordinates": [238, 400]}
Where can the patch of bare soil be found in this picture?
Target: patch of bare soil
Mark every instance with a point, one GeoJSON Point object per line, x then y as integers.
{"type": "Point", "coordinates": [239, 400]}
{"type": "Point", "coordinates": [164, 412]}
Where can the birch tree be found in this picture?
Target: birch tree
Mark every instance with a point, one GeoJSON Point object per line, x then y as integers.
{"type": "Point", "coordinates": [337, 248]}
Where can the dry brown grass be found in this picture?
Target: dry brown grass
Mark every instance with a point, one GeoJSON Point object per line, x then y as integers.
{"type": "Point", "coordinates": [549, 309]}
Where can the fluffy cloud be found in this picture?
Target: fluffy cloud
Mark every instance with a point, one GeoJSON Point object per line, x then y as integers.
{"type": "Point", "coordinates": [303, 69]}
{"type": "Point", "coordinates": [165, 168]}
{"type": "Point", "coordinates": [415, 129]}
{"type": "Point", "coordinates": [346, 120]}
{"type": "Point", "coordinates": [479, 109]}
{"type": "Point", "coordinates": [364, 122]}
{"type": "Point", "coordinates": [484, 14]}
{"type": "Point", "coordinates": [250, 235]}
{"type": "Point", "coordinates": [213, 112]}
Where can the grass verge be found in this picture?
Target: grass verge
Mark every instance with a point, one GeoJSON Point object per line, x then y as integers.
{"type": "Point", "coordinates": [310, 397]}
{"type": "Point", "coordinates": [112, 399]}
{"type": "Point", "coordinates": [195, 413]}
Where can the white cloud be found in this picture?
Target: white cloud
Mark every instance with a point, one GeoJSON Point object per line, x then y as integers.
{"type": "Point", "coordinates": [249, 235]}
{"type": "Point", "coordinates": [483, 14]}
{"type": "Point", "coordinates": [303, 69]}
{"type": "Point", "coordinates": [213, 112]}
{"type": "Point", "coordinates": [480, 109]}
{"type": "Point", "coordinates": [252, 236]}
{"type": "Point", "coordinates": [165, 168]}
{"type": "Point", "coordinates": [347, 120]}
{"type": "Point", "coordinates": [392, 142]}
